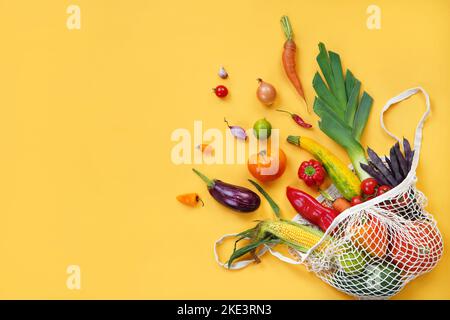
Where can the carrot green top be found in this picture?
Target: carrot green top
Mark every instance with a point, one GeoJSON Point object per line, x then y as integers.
{"type": "Point", "coordinates": [287, 27]}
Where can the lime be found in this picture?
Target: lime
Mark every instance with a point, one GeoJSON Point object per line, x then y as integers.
{"type": "Point", "coordinates": [262, 129]}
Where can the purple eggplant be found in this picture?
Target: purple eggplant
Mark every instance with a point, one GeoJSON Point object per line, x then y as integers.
{"type": "Point", "coordinates": [237, 198]}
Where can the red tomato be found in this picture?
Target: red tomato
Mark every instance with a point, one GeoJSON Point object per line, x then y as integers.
{"type": "Point", "coordinates": [382, 189]}
{"type": "Point", "coordinates": [221, 91]}
{"type": "Point", "coordinates": [356, 200]}
{"type": "Point", "coordinates": [417, 248]}
{"type": "Point", "coordinates": [368, 186]}
{"type": "Point", "coordinates": [266, 167]}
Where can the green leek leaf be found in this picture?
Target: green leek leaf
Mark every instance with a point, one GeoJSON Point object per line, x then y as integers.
{"type": "Point", "coordinates": [322, 110]}
{"type": "Point", "coordinates": [352, 104]}
{"type": "Point", "coordinates": [325, 66]}
{"type": "Point", "coordinates": [362, 115]}
{"type": "Point", "coordinates": [336, 131]}
{"type": "Point", "coordinates": [349, 82]}
{"type": "Point", "coordinates": [323, 93]}
{"type": "Point", "coordinates": [336, 68]}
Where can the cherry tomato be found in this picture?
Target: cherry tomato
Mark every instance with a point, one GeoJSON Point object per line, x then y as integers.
{"type": "Point", "coordinates": [221, 91]}
{"type": "Point", "coordinates": [267, 167]}
{"type": "Point", "coordinates": [382, 189]}
{"type": "Point", "coordinates": [368, 186]}
{"type": "Point", "coordinates": [356, 200]}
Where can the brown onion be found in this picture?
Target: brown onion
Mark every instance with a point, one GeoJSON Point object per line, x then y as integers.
{"type": "Point", "coordinates": [266, 92]}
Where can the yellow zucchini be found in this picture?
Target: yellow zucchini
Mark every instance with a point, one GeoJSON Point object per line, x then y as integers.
{"type": "Point", "coordinates": [343, 178]}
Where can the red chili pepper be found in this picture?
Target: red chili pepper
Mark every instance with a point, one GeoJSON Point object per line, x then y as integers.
{"type": "Point", "coordinates": [310, 209]}
{"type": "Point", "coordinates": [297, 119]}
{"type": "Point", "coordinates": [312, 172]}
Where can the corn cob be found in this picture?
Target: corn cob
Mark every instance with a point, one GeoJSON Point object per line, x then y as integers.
{"type": "Point", "coordinates": [301, 237]}
{"type": "Point", "coordinates": [272, 232]}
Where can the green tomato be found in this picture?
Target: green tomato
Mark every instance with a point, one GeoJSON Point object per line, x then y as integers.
{"type": "Point", "coordinates": [262, 129]}
{"type": "Point", "coordinates": [352, 261]}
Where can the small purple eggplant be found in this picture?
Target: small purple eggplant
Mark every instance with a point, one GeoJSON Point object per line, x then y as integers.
{"type": "Point", "coordinates": [237, 198]}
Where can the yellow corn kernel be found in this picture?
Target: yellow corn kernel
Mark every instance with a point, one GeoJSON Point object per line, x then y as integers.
{"type": "Point", "coordinates": [302, 236]}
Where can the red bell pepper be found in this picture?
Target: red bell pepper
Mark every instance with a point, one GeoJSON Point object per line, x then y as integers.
{"type": "Point", "coordinates": [312, 172]}
{"type": "Point", "coordinates": [310, 209]}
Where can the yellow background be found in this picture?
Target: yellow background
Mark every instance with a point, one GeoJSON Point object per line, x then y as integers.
{"type": "Point", "coordinates": [86, 118]}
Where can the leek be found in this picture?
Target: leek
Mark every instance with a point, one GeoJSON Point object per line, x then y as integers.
{"type": "Point", "coordinates": [343, 114]}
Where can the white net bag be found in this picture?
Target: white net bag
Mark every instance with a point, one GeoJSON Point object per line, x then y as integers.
{"type": "Point", "coordinates": [371, 251]}
{"type": "Point", "coordinates": [375, 250]}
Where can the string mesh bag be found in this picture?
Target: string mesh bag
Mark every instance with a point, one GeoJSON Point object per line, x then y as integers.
{"type": "Point", "coordinates": [372, 250]}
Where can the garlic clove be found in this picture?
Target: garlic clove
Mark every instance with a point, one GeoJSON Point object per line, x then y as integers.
{"type": "Point", "coordinates": [223, 73]}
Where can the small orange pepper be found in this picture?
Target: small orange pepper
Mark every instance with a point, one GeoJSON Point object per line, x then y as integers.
{"type": "Point", "coordinates": [190, 199]}
{"type": "Point", "coordinates": [206, 149]}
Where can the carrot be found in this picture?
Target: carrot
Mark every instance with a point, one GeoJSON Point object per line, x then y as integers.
{"type": "Point", "coordinates": [340, 205]}
{"type": "Point", "coordinates": [289, 58]}
{"type": "Point", "coordinates": [190, 199]}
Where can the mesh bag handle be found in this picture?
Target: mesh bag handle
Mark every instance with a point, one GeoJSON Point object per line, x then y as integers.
{"type": "Point", "coordinates": [244, 263]}
{"type": "Point", "coordinates": [418, 135]}
{"type": "Point", "coordinates": [239, 264]}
